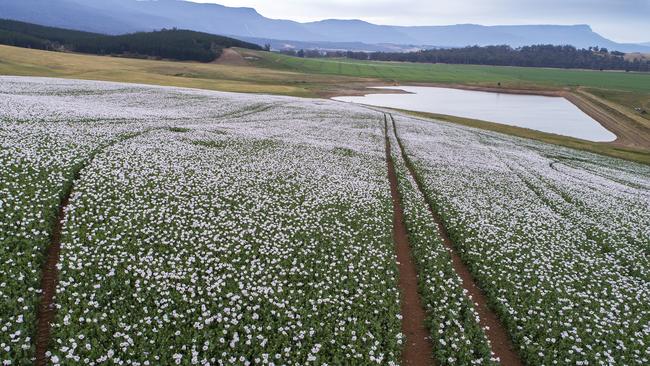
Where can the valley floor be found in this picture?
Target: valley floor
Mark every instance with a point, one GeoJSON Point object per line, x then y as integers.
{"type": "Point", "coordinates": [158, 225]}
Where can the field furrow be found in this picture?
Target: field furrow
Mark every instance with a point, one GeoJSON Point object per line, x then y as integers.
{"type": "Point", "coordinates": [499, 339]}
{"type": "Point", "coordinates": [418, 349]}
{"type": "Point", "coordinates": [561, 252]}
{"type": "Point", "coordinates": [49, 272]}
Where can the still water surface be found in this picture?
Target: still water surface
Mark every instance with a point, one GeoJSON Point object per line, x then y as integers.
{"type": "Point", "coordinates": [548, 114]}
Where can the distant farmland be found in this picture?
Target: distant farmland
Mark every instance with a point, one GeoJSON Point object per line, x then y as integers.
{"type": "Point", "coordinates": [462, 74]}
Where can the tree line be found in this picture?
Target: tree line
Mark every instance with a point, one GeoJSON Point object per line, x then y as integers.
{"type": "Point", "coordinates": [174, 44]}
{"type": "Point", "coordinates": [568, 57]}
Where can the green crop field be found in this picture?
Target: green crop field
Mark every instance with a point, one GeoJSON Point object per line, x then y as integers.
{"type": "Point", "coordinates": [460, 74]}
{"type": "Point", "coordinates": [157, 212]}
{"type": "Point", "coordinates": [270, 73]}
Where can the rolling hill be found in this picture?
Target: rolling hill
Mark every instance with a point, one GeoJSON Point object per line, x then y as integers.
{"type": "Point", "coordinates": [172, 44]}
{"type": "Point", "coordinates": [124, 16]}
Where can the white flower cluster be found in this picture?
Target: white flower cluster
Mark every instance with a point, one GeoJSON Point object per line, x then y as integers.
{"type": "Point", "coordinates": [229, 229]}
{"type": "Point", "coordinates": [558, 238]}
{"type": "Point", "coordinates": [49, 128]}
{"type": "Point", "coordinates": [37, 163]}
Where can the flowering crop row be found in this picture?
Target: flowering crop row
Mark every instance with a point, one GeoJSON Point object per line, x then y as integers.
{"type": "Point", "coordinates": [237, 229]}
{"type": "Point", "coordinates": [35, 165]}
{"type": "Point", "coordinates": [557, 238]}
{"type": "Point", "coordinates": [457, 336]}
{"type": "Point", "coordinates": [37, 162]}
{"type": "Point", "coordinates": [224, 249]}
{"type": "Point", "coordinates": [48, 130]}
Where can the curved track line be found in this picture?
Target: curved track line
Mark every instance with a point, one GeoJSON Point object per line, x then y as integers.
{"type": "Point", "coordinates": [418, 349]}
{"type": "Point", "coordinates": [46, 310]}
{"type": "Point", "coordinates": [494, 329]}
{"type": "Point", "coordinates": [49, 281]}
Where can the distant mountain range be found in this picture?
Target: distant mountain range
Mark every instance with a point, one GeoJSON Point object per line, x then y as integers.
{"type": "Point", "coordinates": [124, 16]}
{"type": "Point", "coordinates": [286, 44]}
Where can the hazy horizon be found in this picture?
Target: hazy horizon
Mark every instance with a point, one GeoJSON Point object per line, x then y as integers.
{"type": "Point", "coordinates": [622, 21]}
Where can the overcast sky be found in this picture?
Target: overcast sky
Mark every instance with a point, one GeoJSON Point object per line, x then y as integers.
{"type": "Point", "coordinates": [620, 20]}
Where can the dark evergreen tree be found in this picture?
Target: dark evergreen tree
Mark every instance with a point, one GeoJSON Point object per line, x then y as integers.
{"type": "Point", "coordinates": [569, 57]}
{"type": "Point", "coordinates": [171, 44]}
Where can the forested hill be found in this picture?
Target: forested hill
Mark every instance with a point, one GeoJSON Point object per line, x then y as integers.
{"type": "Point", "coordinates": [567, 57]}
{"type": "Point", "coordinates": [174, 44]}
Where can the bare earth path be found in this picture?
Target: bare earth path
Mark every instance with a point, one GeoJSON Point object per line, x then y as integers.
{"type": "Point", "coordinates": [49, 280]}
{"type": "Point", "coordinates": [496, 332]}
{"type": "Point", "coordinates": [50, 274]}
{"type": "Point", "coordinates": [418, 349]}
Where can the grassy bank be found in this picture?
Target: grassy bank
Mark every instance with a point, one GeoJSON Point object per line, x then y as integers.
{"type": "Point", "coordinates": [515, 77]}
{"type": "Point", "coordinates": [636, 155]}
{"type": "Point", "coordinates": [246, 79]}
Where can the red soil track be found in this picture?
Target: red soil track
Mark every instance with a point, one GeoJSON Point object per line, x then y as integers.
{"type": "Point", "coordinates": [418, 349]}
{"type": "Point", "coordinates": [50, 274]}
{"type": "Point", "coordinates": [496, 332]}
{"type": "Point", "coordinates": [49, 280]}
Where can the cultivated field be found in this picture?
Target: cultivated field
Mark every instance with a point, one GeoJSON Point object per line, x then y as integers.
{"type": "Point", "coordinates": [611, 97]}
{"type": "Point", "coordinates": [148, 225]}
{"type": "Point", "coordinates": [517, 77]}
{"type": "Point", "coordinates": [557, 240]}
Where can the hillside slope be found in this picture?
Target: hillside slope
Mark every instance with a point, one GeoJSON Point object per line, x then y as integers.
{"type": "Point", "coordinates": [168, 44]}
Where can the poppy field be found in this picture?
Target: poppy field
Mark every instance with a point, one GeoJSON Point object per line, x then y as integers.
{"type": "Point", "coordinates": [558, 240]}
{"type": "Point", "coordinates": [209, 228]}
